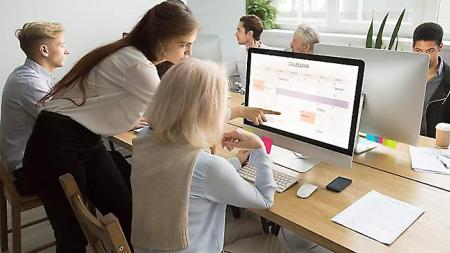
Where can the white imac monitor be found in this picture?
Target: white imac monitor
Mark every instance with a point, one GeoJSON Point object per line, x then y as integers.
{"type": "Point", "coordinates": [207, 47]}
{"type": "Point", "coordinates": [318, 97]}
{"type": "Point", "coordinates": [393, 88]}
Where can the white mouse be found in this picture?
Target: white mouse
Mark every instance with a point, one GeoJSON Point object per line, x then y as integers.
{"type": "Point", "coordinates": [306, 190]}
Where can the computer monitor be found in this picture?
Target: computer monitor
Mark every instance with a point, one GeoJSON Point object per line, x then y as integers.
{"type": "Point", "coordinates": [318, 97]}
{"type": "Point", "coordinates": [207, 47]}
{"type": "Point", "coordinates": [393, 88]}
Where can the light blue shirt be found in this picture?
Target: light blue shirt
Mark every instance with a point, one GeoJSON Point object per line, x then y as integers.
{"type": "Point", "coordinates": [25, 86]}
{"type": "Point", "coordinates": [216, 183]}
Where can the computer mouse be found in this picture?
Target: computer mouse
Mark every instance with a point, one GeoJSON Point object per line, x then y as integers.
{"type": "Point", "coordinates": [306, 190]}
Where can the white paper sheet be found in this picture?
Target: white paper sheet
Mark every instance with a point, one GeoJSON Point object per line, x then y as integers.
{"type": "Point", "coordinates": [379, 217]}
{"type": "Point", "coordinates": [430, 160]}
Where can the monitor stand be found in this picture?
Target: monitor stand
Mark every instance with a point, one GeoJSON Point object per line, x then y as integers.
{"type": "Point", "coordinates": [363, 145]}
{"type": "Point", "coordinates": [292, 160]}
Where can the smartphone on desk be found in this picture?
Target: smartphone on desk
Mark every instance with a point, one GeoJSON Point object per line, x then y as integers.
{"type": "Point", "coordinates": [338, 184]}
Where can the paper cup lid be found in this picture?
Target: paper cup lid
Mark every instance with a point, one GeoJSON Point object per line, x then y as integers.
{"type": "Point", "coordinates": [443, 126]}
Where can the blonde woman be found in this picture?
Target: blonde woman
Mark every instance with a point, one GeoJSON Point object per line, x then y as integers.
{"type": "Point", "coordinates": [180, 191]}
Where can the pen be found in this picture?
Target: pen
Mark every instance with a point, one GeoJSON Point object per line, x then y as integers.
{"type": "Point", "coordinates": [443, 163]}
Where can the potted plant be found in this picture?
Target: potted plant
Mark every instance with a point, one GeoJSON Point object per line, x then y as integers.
{"type": "Point", "coordinates": [379, 39]}
{"type": "Point", "coordinates": [265, 10]}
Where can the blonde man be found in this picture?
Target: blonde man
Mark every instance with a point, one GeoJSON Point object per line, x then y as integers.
{"type": "Point", "coordinates": [169, 159]}
{"type": "Point", "coordinates": [43, 45]}
{"type": "Point", "coordinates": [304, 39]}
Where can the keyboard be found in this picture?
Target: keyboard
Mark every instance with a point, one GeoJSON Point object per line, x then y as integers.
{"type": "Point", "coordinates": [284, 178]}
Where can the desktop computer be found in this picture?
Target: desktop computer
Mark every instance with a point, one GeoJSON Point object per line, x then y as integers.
{"type": "Point", "coordinates": [319, 98]}
{"type": "Point", "coordinates": [207, 47]}
{"type": "Point", "coordinates": [393, 88]}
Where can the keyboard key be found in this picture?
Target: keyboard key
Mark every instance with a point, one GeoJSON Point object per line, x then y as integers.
{"type": "Point", "coordinates": [282, 180]}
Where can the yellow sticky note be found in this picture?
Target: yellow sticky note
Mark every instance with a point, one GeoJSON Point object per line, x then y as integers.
{"type": "Point", "coordinates": [390, 143]}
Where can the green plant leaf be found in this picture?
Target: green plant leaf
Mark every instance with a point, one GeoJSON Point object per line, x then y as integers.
{"type": "Point", "coordinates": [369, 42]}
{"type": "Point", "coordinates": [265, 10]}
{"type": "Point", "coordinates": [396, 30]}
{"type": "Point", "coordinates": [379, 40]}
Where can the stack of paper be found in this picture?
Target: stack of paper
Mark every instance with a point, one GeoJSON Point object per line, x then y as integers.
{"type": "Point", "coordinates": [379, 217]}
{"type": "Point", "coordinates": [430, 160]}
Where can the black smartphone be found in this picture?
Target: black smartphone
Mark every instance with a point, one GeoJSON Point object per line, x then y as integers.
{"type": "Point", "coordinates": [338, 184]}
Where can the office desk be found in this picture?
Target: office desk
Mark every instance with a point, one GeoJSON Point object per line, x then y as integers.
{"type": "Point", "coordinates": [235, 100]}
{"type": "Point", "coordinates": [397, 161]}
{"type": "Point", "coordinates": [125, 140]}
{"type": "Point", "coordinates": [310, 217]}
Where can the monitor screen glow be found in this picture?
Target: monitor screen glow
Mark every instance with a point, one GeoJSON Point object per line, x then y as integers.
{"type": "Point", "coordinates": [318, 97]}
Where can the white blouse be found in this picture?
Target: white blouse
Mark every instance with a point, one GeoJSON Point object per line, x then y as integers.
{"type": "Point", "coordinates": [118, 90]}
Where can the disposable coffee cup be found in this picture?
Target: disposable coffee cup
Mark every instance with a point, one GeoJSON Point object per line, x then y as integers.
{"type": "Point", "coordinates": [442, 135]}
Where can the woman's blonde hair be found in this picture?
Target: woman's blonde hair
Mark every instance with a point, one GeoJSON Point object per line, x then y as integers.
{"type": "Point", "coordinates": [189, 104]}
{"type": "Point", "coordinates": [35, 32]}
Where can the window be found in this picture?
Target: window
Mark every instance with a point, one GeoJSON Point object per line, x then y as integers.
{"type": "Point", "coordinates": [444, 17]}
{"type": "Point", "coordinates": [310, 11]}
{"type": "Point", "coordinates": [354, 16]}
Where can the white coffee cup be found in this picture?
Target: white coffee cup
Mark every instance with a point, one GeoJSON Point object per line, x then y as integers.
{"type": "Point", "coordinates": [442, 135]}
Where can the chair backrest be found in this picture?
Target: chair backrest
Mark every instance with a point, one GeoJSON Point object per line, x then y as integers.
{"type": "Point", "coordinates": [102, 233]}
{"type": "Point", "coordinates": [7, 180]}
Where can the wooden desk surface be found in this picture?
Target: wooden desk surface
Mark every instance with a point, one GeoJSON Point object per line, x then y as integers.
{"type": "Point", "coordinates": [397, 161]}
{"type": "Point", "coordinates": [236, 100]}
{"type": "Point", "coordinates": [125, 141]}
{"type": "Point", "coordinates": [311, 218]}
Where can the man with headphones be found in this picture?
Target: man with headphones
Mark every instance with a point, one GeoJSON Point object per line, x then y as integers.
{"type": "Point", "coordinates": [44, 46]}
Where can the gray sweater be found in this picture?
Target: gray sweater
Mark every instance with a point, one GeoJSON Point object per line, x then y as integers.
{"type": "Point", "coordinates": [216, 183]}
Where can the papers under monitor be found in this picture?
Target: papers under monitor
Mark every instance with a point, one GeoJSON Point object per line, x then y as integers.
{"type": "Point", "coordinates": [379, 217]}
{"type": "Point", "coordinates": [431, 160]}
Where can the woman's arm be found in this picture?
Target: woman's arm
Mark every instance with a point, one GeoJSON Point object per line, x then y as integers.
{"type": "Point", "coordinates": [255, 115]}
{"type": "Point", "coordinates": [224, 185]}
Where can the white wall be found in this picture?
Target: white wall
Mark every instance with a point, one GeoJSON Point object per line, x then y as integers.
{"type": "Point", "coordinates": [88, 23]}
{"type": "Point", "coordinates": [220, 17]}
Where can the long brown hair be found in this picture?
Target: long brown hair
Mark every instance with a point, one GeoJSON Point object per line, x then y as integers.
{"type": "Point", "coordinates": [163, 22]}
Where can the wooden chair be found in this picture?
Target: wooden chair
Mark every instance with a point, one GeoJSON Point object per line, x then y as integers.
{"type": "Point", "coordinates": [103, 233]}
{"type": "Point", "coordinates": [19, 203]}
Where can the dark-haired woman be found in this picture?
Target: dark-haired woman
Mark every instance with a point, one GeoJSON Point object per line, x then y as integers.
{"type": "Point", "coordinates": [105, 93]}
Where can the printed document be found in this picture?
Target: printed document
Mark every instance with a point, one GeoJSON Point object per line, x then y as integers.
{"type": "Point", "coordinates": [430, 160]}
{"type": "Point", "coordinates": [379, 217]}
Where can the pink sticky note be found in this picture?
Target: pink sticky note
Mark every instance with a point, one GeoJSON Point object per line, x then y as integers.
{"type": "Point", "coordinates": [268, 143]}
